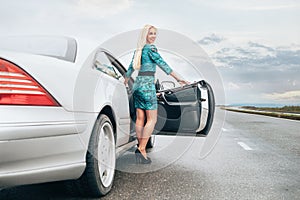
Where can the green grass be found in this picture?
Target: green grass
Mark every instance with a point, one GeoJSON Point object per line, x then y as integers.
{"type": "Point", "coordinates": [287, 109]}
{"type": "Point", "coordinates": [288, 112]}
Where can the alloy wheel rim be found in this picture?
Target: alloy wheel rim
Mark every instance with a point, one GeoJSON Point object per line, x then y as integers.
{"type": "Point", "coordinates": [106, 154]}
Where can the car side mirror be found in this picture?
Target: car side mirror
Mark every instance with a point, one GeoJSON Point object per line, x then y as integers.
{"type": "Point", "coordinates": [167, 85]}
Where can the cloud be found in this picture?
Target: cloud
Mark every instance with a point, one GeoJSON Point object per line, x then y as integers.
{"type": "Point", "coordinates": [251, 68]}
{"type": "Point", "coordinates": [258, 56]}
{"type": "Point", "coordinates": [253, 5]}
{"type": "Point", "coordinates": [233, 86]}
{"type": "Point", "coordinates": [285, 96]}
{"type": "Point", "coordinates": [257, 45]}
{"type": "Point", "coordinates": [213, 38]}
{"type": "Point", "coordinates": [238, 86]}
{"type": "Point", "coordinates": [102, 8]}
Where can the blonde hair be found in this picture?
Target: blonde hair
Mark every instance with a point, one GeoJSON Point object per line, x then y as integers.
{"type": "Point", "coordinates": [140, 45]}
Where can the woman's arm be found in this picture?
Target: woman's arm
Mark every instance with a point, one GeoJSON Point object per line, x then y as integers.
{"type": "Point", "coordinates": [155, 56]}
{"type": "Point", "coordinates": [180, 81]}
{"type": "Point", "coordinates": [129, 72]}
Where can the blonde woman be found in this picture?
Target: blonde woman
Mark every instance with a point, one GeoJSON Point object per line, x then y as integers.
{"type": "Point", "coordinates": [145, 60]}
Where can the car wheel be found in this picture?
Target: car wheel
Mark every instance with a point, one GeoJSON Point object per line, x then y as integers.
{"type": "Point", "coordinates": [98, 176]}
{"type": "Point", "coordinates": [150, 143]}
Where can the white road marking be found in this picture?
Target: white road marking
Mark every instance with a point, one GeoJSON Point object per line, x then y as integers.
{"type": "Point", "coordinates": [245, 146]}
{"type": "Point", "coordinates": [224, 129]}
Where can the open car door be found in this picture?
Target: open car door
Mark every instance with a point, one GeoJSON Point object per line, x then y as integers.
{"type": "Point", "coordinates": [186, 110]}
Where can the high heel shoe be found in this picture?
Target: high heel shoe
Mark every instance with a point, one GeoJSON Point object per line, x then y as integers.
{"type": "Point", "coordinates": [139, 158]}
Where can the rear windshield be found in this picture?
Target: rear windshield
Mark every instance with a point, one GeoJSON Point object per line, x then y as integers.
{"type": "Point", "coordinates": [64, 48]}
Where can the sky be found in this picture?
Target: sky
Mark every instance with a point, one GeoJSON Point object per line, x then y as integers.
{"type": "Point", "coordinates": [254, 44]}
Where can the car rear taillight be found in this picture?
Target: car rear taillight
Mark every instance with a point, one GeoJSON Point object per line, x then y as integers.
{"type": "Point", "coordinates": [19, 88]}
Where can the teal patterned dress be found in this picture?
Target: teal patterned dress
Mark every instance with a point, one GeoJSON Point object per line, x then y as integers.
{"type": "Point", "coordinates": [144, 92]}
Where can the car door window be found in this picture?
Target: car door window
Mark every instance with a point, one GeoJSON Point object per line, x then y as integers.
{"type": "Point", "coordinates": [103, 64]}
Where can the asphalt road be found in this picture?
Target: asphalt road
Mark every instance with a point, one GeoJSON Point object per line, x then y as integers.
{"type": "Point", "coordinates": [256, 157]}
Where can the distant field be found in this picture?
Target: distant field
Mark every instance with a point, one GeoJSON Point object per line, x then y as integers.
{"type": "Point", "coordinates": [288, 112]}
{"type": "Point", "coordinates": [287, 109]}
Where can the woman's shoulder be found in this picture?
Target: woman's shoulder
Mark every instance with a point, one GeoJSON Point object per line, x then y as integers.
{"type": "Point", "coordinates": [150, 47]}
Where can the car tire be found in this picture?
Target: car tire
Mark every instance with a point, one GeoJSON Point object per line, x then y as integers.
{"type": "Point", "coordinates": [97, 179]}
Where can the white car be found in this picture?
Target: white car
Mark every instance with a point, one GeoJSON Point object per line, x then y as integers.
{"type": "Point", "coordinates": [66, 114]}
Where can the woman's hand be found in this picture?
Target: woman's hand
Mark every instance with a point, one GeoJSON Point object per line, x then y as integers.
{"type": "Point", "coordinates": [180, 81]}
{"type": "Point", "coordinates": [183, 82]}
{"type": "Point", "coordinates": [126, 80]}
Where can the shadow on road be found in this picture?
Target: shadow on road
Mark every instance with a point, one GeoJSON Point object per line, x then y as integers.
{"type": "Point", "coordinates": [55, 190]}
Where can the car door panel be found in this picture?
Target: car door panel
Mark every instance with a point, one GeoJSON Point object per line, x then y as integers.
{"type": "Point", "coordinates": [187, 95]}
{"type": "Point", "coordinates": [179, 110]}
{"type": "Point", "coordinates": [111, 86]}
{"type": "Point", "coordinates": [121, 71]}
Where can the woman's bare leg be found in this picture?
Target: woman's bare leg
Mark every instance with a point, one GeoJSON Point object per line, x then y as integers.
{"type": "Point", "coordinates": [139, 124]}
{"type": "Point", "coordinates": [151, 116]}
